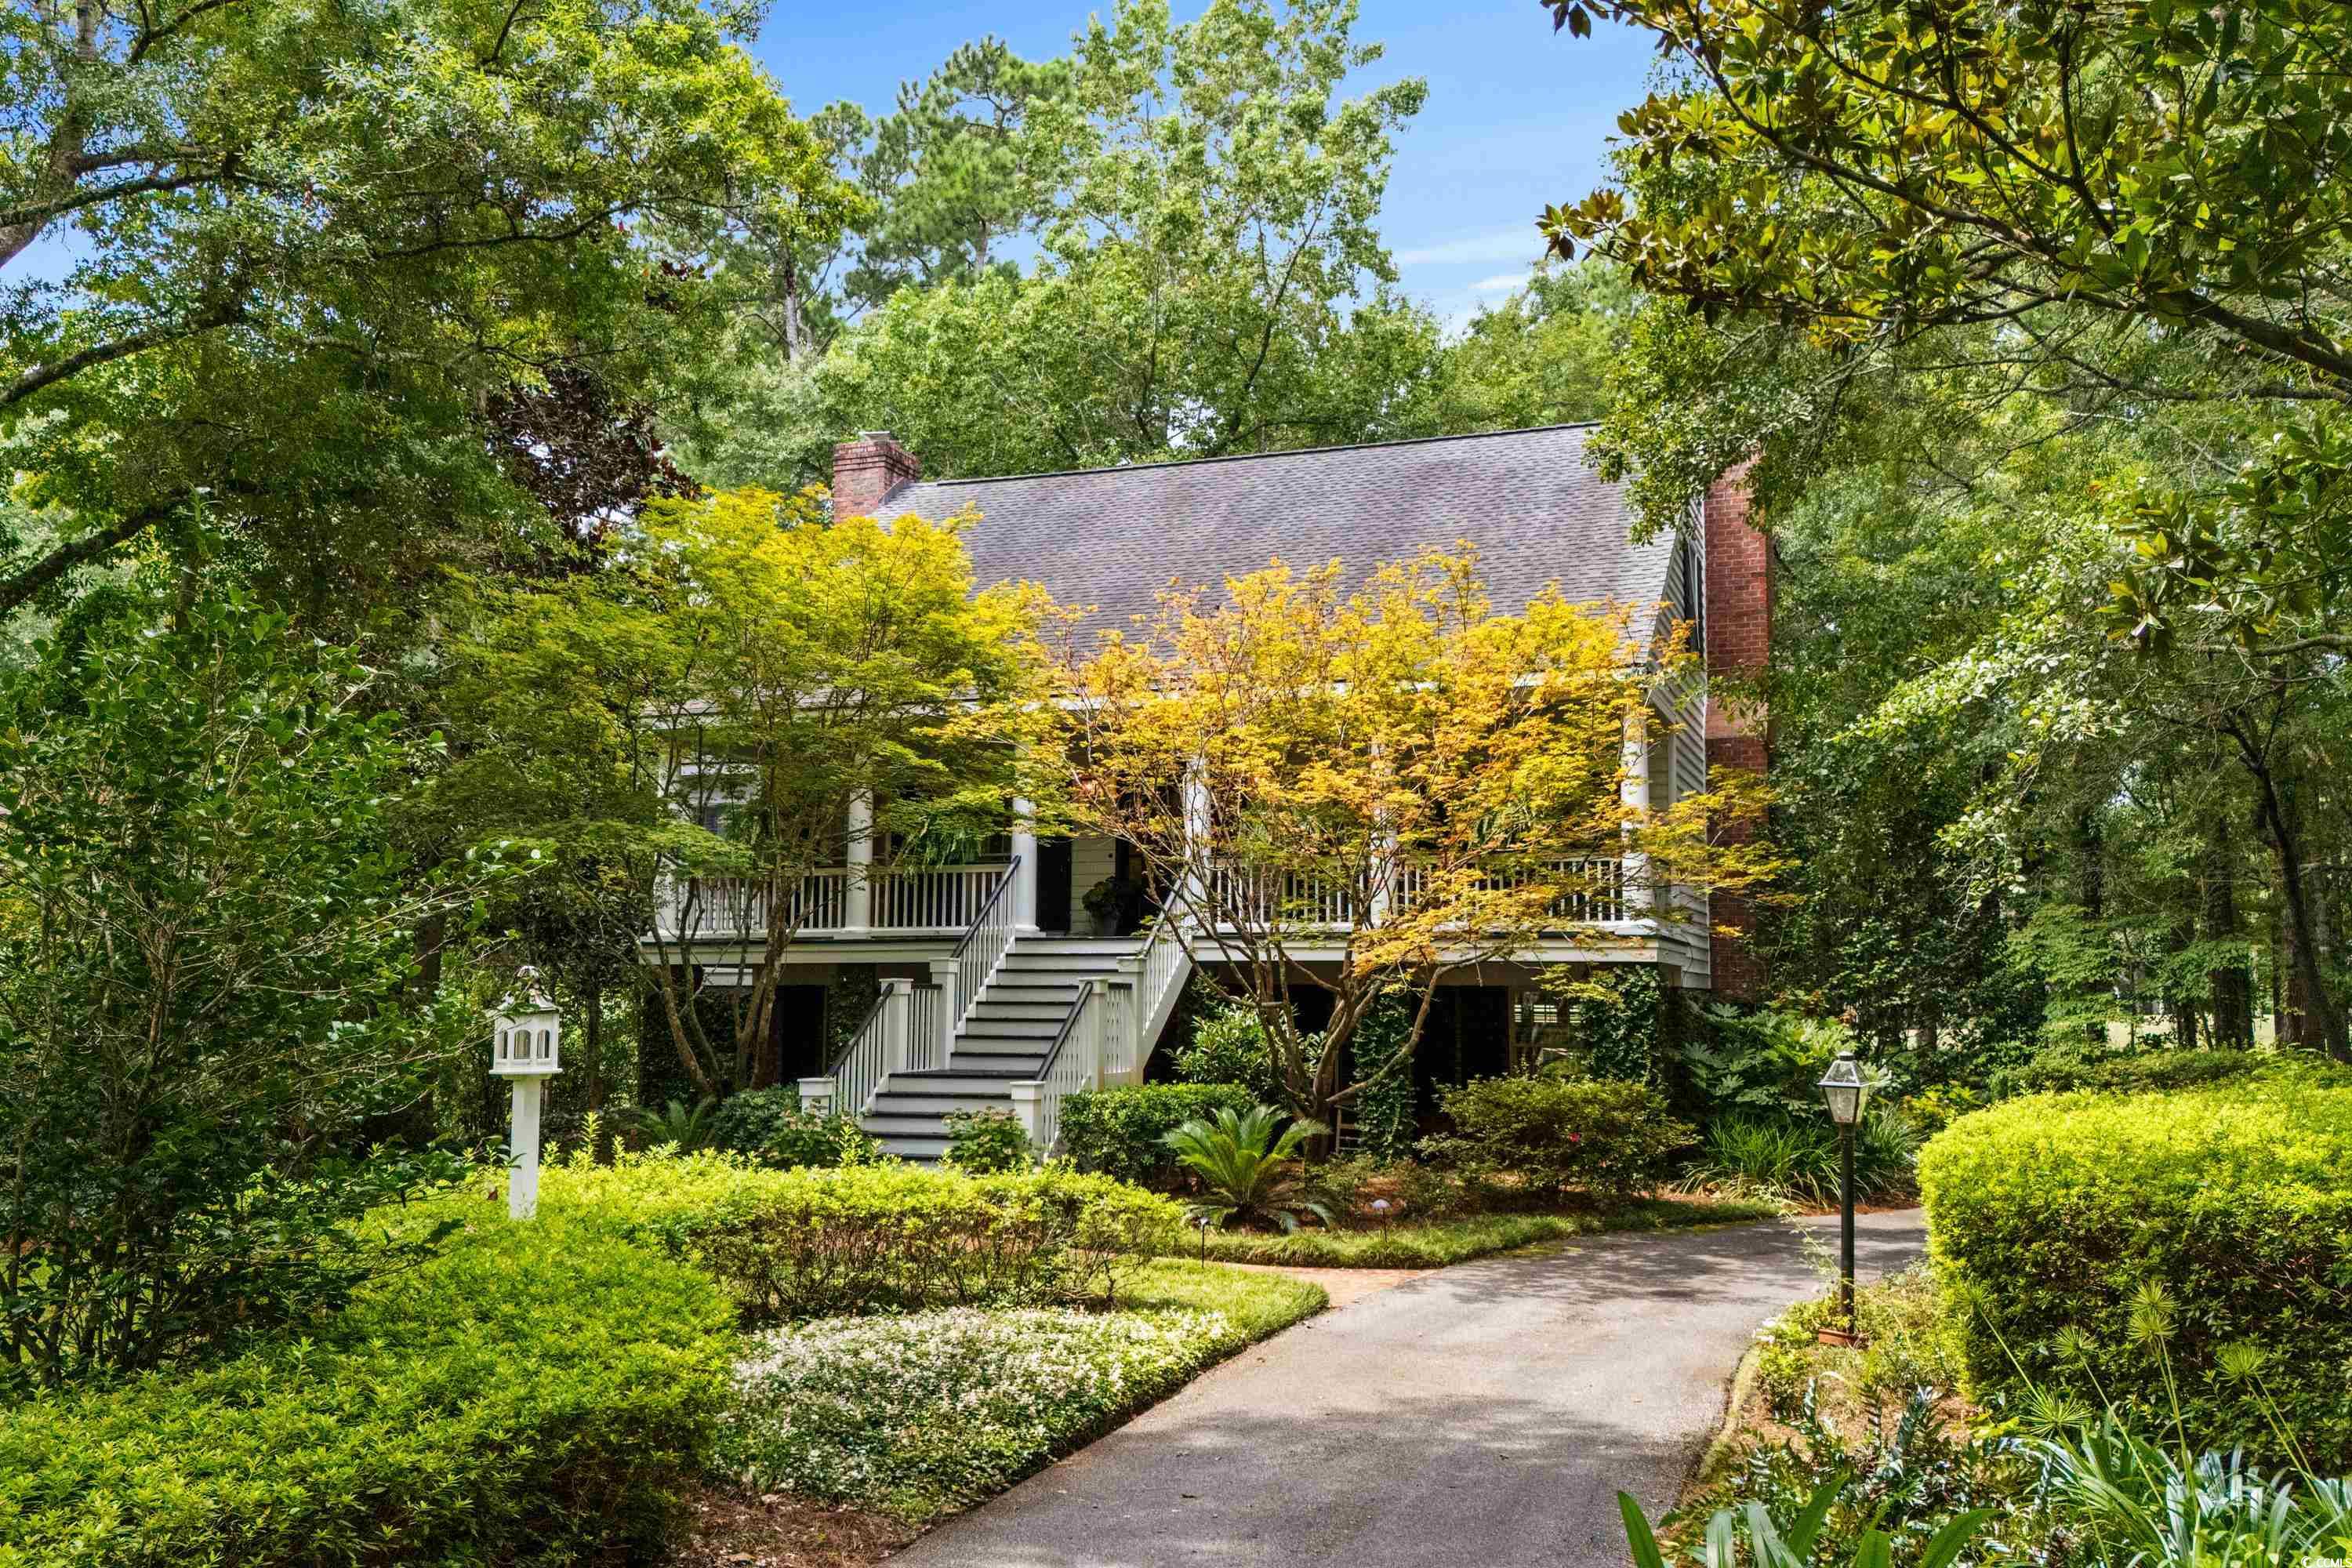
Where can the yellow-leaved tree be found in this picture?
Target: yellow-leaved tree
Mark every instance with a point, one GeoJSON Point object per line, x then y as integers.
{"type": "Point", "coordinates": [1375, 789]}
{"type": "Point", "coordinates": [742, 671]}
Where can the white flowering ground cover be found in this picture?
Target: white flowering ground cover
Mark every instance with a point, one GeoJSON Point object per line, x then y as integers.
{"type": "Point", "coordinates": [928, 1411]}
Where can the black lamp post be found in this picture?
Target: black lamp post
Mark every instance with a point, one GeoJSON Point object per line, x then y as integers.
{"type": "Point", "coordinates": [1841, 1086]}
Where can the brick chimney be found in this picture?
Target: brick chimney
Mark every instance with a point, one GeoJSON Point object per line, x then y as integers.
{"type": "Point", "coordinates": [865, 472]}
{"type": "Point", "coordinates": [1738, 645]}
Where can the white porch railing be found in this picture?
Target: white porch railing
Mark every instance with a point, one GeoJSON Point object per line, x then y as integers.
{"type": "Point", "coordinates": [736, 906]}
{"type": "Point", "coordinates": [912, 898]}
{"type": "Point", "coordinates": [1297, 899]}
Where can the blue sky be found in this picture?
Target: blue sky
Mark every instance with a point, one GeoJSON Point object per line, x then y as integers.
{"type": "Point", "coordinates": [1516, 117]}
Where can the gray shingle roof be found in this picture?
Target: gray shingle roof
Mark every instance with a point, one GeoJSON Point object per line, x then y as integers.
{"type": "Point", "coordinates": [1113, 538]}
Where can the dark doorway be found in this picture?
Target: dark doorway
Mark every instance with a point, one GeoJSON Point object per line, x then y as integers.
{"type": "Point", "coordinates": [1053, 884]}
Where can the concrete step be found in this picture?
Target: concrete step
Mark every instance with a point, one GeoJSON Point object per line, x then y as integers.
{"type": "Point", "coordinates": [1031, 1028]}
{"type": "Point", "coordinates": [985, 1012]}
{"type": "Point", "coordinates": [937, 1105]}
{"type": "Point", "coordinates": [1019, 962]}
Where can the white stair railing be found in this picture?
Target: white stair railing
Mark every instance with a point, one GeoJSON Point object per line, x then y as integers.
{"type": "Point", "coordinates": [1072, 1062]}
{"type": "Point", "coordinates": [984, 942]}
{"type": "Point", "coordinates": [848, 1086]}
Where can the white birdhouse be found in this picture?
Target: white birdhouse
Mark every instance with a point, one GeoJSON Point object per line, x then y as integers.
{"type": "Point", "coordinates": [528, 1041]}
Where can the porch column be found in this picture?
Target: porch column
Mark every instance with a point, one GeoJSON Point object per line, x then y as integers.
{"type": "Point", "coordinates": [1025, 875]}
{"type": "Point", "coordinates": [1634, 793]}
{"type": "Point", "coordinates": [1200, 834]}
{"type": "Point", "coordinates": [858, 881]}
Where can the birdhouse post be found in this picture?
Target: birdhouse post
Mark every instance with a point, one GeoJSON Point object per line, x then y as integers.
{"type": "Point", "coordinates": [526, 1048]}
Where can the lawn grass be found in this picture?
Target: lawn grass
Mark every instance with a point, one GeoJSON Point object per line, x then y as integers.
{"type": "Point", "coordinates": [919, 1415]}
{"type": "Point", "coordinates": [1433, 1244]}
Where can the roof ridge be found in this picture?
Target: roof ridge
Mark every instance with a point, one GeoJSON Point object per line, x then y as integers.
{"type": "Point", "coordinates": [1259, 457]}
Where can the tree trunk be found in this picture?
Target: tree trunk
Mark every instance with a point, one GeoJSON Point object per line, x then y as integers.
{"type": "Point", "coordinates": [2231, 986]}
{"type": "Point", "coordinates": [2309, 1009]}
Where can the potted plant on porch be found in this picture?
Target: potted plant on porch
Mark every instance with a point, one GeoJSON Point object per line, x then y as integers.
{"type": "Point", "coordinates": [1106, 904]}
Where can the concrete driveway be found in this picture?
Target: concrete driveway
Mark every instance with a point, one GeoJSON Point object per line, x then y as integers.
{"type": "Point", "coordinates": [1485, 1415]}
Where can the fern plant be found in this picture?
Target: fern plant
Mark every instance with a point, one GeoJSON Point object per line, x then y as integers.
{"type": "Point", "coordinates": [1748, 1537]}
{"type": "Point", "coordinates": [1247, 1171]}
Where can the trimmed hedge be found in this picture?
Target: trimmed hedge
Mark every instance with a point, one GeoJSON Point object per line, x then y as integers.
{"type": "Point", "coordinates": [1120, 1132]}
{"type": "Point", "coordinates": [2052, 1212]}
{"type": "Point", "coordinates": [1605, 1135]}
{"type": "Point", "coordinates": [801, 1243]}
{"type": "Point", "coordinates": [2057, 1069]}
{"type": "Point", "coordinates": [528, 1397]}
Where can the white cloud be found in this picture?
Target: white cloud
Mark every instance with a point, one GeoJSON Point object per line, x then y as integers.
{"type": "Point", "coordinates": [1523, 245]}
{"type": "Point", "coordinates": [1501, 283]}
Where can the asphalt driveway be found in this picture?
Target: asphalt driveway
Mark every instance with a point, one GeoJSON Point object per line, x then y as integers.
{"type": "Point", "coordinates": [1485, 1415]}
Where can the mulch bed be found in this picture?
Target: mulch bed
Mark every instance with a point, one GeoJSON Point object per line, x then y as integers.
{"type": "Point", "coordinates": [730, 1527]}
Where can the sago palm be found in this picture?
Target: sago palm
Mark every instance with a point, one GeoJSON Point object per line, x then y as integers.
{"type": "Point", "coordinates": [1247, 1172]}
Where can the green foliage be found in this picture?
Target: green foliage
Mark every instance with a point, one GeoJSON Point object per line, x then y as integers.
{"type": "Point", "coordinates": [1228, 1046]}
{"type": "Point", "coordinates": [2077, 1066]}
{"type": "Point", "coordinates": [1912, 1489]}
{"type": "Point", "coordinates": [2134, 1501]}
{"type": "Point", "coordinates": [1207, 278]}
{"type": "Point", "coordinates": [1620, 1032]}
{"type": "Point", "coordinates": [746, 1121]}
{"type": "Point", "coordinates": [1607, 1136]}
{"type": "Point", "coordinates": [1903, 1349]}
{"type": "Point", "coordinates": [529, 1397]}
{"type": "Point", "coordinates": [205, 959]}
{"type": "Point", "coordinates": [989, 1142]}
{"type": "Point", "coordinates": [807, 1242]}
{"type": "Point", "coordinates": [2049, 1218]}
{"type": "Point", "coordinates": [926, 1412]}
{"type": "Point", "coordinates": [1796, 1157]}
{"type": "Point", "coordinates": [1433, 1244]}
{"type": "Point", "coordinates": [298, 229]}
{"type": "Point", "coordinates": [1383, 1110]}
{"type": "Point", "coordinates": [678, 1125]}
{"type": "Point", "coordinates": [1247, 1171]}
{"type": "Point", "coordinates": [1123, 1132]}
{"type": "Point", "coordinates": [1768, 1060]}
{"type": "Point", "coordinates": [805, 1138]}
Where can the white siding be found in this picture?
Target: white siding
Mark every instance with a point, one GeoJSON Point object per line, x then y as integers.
{"type": "Point", "coordinates": [1091, 859]}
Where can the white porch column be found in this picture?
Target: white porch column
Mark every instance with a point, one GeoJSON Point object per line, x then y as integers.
{"type": "Point", "coordinates": [858, 881]}
{"type": "Point", "coordinates": [1029, 1106]}
{"type": "Point", "coordinates": [898, 1020]}
{"type": "Point", "coordinates": [1200, 834]}
{"type": "Point", "coordinates": [1099, 1045]}
{"type": "Point", "coordinates": [1025, 875]}
{"type": "Point", "coordinates": [1634, 793]}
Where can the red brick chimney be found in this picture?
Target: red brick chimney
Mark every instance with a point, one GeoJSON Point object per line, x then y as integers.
{"type": "Point", "coordinates": [865, 472]}
{"type": "Point", "coordinates": [1739, 645]}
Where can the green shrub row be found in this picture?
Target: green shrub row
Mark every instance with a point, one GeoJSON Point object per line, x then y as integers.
{"type": "Point", "coordinates": [529, 1395]}
{"type": "Point", "coordinates": [804, 1243]}
{"type": "Point", "coordinates": [2051, 1218]}
{"type": "Point", "coordinates": [1122, 1133]}
{"type": "Point", "coordinates": [2085, 1065]}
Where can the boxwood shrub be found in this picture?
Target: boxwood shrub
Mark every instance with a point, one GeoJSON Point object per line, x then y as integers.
{"type": "Point", "coordinates": [528, 1397]}
{"type": "Point", "coordinates": [801, 1243]}
{"type": "Point", "coordinates": [2052, 1212]}
{"type": "Point", "coordinates": [1118, 1131]}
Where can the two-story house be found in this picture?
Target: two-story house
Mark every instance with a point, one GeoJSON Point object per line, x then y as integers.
{"type": "Point", "coordinates": [997, 989]}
